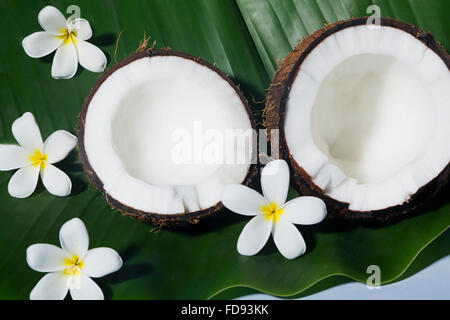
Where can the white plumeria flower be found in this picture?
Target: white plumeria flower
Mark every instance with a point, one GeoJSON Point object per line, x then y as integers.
{"type": "Point", "coordinates": [72, 267]}
{"type": "Point", "coordinates": [34, 156]}
{"type": "Point", "coordinates": [272, 214]}
{"type": "Point", "coordinates": [68, 38]}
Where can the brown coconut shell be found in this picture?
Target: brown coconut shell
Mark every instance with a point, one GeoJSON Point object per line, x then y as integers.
{"type": "Point", "coordinates": [157, 219]}
{"type": "Point", "coordinates": [275, 113]}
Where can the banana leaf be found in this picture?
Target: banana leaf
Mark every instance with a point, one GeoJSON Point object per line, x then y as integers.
{"type": "Point", "coordinates": [246, 39]}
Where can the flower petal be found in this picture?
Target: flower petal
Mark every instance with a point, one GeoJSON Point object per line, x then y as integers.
{"type": "Point", "coordinates": [56, 181]}
{"type": "Point", "coordinates": [99, 262]}
{"type": "Point", "coordinates": [74, 238]}
{"type": "Point", "coordinates": [13, 157]}
{"type": "Point", "coordinates": [26, 132]}
{"type": "Point", "coordinates": [305, 210]}
{"type": "Point", "coordinates": [45, 257]}
{"type": "Point", "coordinates": [82, 28]}
{"type": "Point", "coordinates": [52, 286]}
{"type": "Point", "coordinates": [88, 290]}
{"type": "Point", "coordinates": [90, 57]}
{"type": "Point", "coordinates": [254, 235]}
{"type": "Point", "coordinates": [52, 20]}
{"type": "Point", "coordinates": [65, 62]}
{"type": "Point", "coordinates": [275, 181]}
{"type": "Point", "coordinates": [24, 181]}
{"type": "Point", "coordinates": [243, 200]}
{"type": "Point", "coordinates": [288, 239]}
{"type": "Point", "coordinates": [58, 145]}
{"type": "Point", "coordinates": [40, 44]}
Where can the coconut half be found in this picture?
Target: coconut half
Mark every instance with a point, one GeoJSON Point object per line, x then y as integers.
{"type": "Point", "coordinates": [364, 117]}
{"type": "Point", "coordinates": [162, 132]}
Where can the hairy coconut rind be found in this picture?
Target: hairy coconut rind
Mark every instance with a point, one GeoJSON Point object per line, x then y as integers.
{"type": "Point", "coordinates": [157, 219]}
{"type": "Point", "coordinates": [274, 119]}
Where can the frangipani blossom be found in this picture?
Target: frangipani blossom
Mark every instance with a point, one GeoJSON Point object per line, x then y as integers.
{"type": "Point", "coordinates": [72, 266]}
{"type": "Point", "coordinates": [272, 214]}
{"type": "Point", "coordinates": [34, 156]}
{"type": "Point", "coordinates": [68, 38]}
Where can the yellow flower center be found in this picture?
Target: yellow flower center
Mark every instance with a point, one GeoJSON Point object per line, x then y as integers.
{"type": "Point", "coordinates": [74, 266]}
{"type": "Point", "coordinates": [272, 211]}
{"type": "Point", "coordinates": [68, 36]}
{"type": "Point", "coordinates": [39, 158]}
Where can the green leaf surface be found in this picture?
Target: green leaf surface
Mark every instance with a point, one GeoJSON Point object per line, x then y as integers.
{"type": "Point", "coordinates": [277, 26]}
{"type": "Point", "coordinates": [246, 39]}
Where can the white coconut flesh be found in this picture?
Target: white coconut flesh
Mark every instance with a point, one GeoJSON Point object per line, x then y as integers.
{"type": "Point", "coordinates": [149, 128]}
{"type": "Point", "coordinates": [367, 116]}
